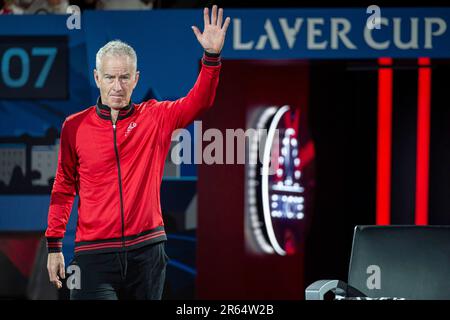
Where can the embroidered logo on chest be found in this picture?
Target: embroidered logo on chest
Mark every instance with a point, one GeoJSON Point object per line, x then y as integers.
{"type": "Point", "coordinates": [130, 127]}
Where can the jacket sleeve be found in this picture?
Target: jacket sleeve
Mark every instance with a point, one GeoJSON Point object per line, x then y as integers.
{"type": "Point", "coordinates": [64, 190]}
{"type": "Point", "coordinates": [180, 113]}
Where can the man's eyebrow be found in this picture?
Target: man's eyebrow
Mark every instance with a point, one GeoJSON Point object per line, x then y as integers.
{"type": "Point", "coordinates": [122, 75]}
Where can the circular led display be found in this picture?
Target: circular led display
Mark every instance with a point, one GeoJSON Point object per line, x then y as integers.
{"type": "Point", "coordinates": [275, 195]}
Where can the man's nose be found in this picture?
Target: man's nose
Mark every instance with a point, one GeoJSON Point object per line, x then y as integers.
{"type": "Point", "coordinates": [117, 86]}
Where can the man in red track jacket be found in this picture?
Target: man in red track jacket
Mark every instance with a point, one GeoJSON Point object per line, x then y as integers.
{"type": "Point", "coordinates": [112, 154]}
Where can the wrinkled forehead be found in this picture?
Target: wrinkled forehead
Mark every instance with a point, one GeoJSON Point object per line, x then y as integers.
{"type": "Point", "coordinates": [117, 65]}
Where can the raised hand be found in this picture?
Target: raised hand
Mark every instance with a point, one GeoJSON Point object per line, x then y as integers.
{"type": "Point", "coordinates": [213, 36]}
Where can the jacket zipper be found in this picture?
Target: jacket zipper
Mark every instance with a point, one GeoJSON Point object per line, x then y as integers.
{"type": "Point", "coordinates": [120, 186]}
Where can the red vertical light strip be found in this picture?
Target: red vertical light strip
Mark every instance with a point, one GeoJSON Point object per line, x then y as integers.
{"type": "Point", "coordinates": [384, 142]}
{"type": "Point", "coordinates": [423, 141]}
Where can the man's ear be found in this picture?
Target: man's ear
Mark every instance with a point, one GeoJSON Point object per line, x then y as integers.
{"type": "Point", "coordinates": [96, 78]}
{"type": "Point", "coordinates": [136, 78]}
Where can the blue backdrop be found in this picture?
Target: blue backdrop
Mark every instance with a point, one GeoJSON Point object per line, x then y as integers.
{"type": "Point", "coordinates": [168, 57]}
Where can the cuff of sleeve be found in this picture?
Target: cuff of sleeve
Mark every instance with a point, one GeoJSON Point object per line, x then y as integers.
{"type": "Point", "coordinates": [211, 59]}
{"type": "Point", "coordinates": [54, 245]}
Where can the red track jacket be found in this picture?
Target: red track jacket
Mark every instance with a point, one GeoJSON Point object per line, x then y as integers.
{"type": "Point", "coordinates": [117, 170]}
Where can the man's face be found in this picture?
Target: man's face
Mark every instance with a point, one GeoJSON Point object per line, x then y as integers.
{"type": "Point", "coordinates": [116, 80]}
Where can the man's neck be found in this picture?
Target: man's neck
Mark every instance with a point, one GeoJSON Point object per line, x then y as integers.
{"type": "Point", "coordinates": [114, 115]}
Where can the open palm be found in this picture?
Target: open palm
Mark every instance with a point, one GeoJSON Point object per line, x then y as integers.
{"type": "Point", "coordinates": [213, 36]}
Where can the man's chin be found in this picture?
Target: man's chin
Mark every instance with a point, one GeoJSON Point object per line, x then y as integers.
{"type": "Point", "coordinates": [117, 105]}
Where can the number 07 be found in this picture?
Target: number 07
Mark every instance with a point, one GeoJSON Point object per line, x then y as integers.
{"type": "Point", "coordinates": [25, 61]}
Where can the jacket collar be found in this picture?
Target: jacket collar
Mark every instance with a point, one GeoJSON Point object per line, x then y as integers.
{"type": "Point", "coordinates": [104, 112]}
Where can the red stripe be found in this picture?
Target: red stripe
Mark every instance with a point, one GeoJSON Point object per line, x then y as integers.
{"type": "Point", "coordinates": [101, 244]}
{"type": "Point", "coordinates": [119, 244]}
{"type": "Point", "coordinates": [384, 61]}
{"type": "Point", "coordinates": [384, 143]}
{"type": "Point", "coordinates": [84, 248]}
{"type": "Point", "coordinates": [151, 236]}
{"type": "Point", "coordinates": [211, 59]}
{"type": "Point", "coordinates": [56, 243]}
{"type": "Point", "coordinates": [423, 141]}
{"type": "Point", "coordinates": [94, 247]}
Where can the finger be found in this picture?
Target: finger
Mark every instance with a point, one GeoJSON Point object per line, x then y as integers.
{"type": "Point", "coordinates": [226, 24]}
{"type": "Point", "coordinates": [62, 271]}
{"type": "Point", "coordinates": [219, 19]}
{"type": "Point", "coordinates": [205, 17]}
{"type": "Point", "coordinates": [214, 15]}
{"type": "Point", "coordinates": [58, 284]}
{"type": "Point", "coordinates": [196, 32]}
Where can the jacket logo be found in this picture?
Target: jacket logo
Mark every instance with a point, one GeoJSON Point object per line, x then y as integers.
{"type": "Point", "coordinates": [130, 127]}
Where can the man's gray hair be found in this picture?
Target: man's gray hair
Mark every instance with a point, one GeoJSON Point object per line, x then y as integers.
{"type": "Point", "coordinates": [116, 48]}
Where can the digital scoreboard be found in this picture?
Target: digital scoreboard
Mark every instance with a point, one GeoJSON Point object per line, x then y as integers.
{"type": "Point", "coordinates": [33, 67]}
